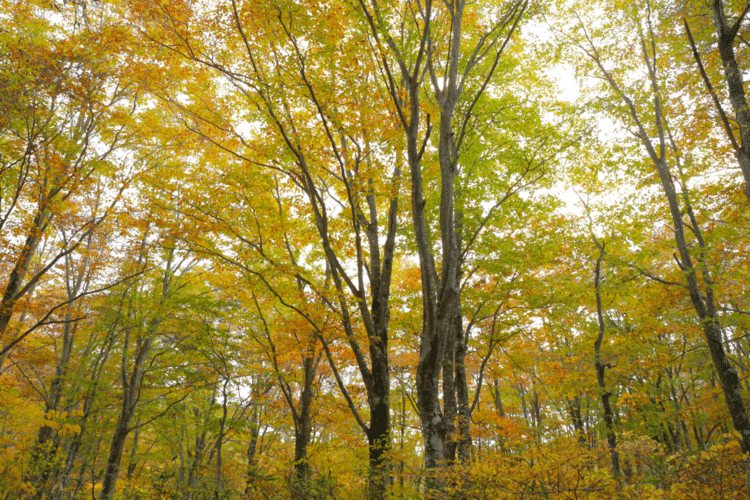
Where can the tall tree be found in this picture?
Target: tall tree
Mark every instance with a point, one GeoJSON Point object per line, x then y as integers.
{"type": "Point", "coordinates": [727, 32]}
{"type": "Point", "coordinates": [330, 137]}
{"type": "Point", "coordinates": [668, 160]}
{"type": "Point", "coordinates": [65, 113]}
{"type": "Point", "coordinates": [452, 63]}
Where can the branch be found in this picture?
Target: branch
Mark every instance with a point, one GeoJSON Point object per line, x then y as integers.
{"type": "Point", "coordinates": [342, 387]}
{"type": "Point", "coordinates": [44, 321]}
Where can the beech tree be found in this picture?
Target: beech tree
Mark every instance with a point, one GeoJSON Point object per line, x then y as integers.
{"type": "Point", "coordinates": [65, 111]}
{"type": "Point", "coordinates": [662, 144]}
{"type": "Point", "coordinates": [212, 289]}
{"type": "Point", "coordinates": [343, 130]}
{"type": "Point", "coordinates": [441, 338]}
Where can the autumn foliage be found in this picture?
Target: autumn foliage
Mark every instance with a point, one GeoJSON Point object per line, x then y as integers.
{"type": "Point", "coordinates": [407, 249]}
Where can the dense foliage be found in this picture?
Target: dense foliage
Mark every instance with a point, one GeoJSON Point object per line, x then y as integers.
{"type": "Point", "coordinates": [374, 249]}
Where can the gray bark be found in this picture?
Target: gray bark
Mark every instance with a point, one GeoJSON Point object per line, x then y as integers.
{"type": "Point", "coordinates": [701, 297]}
{"type": "Point", "coordinates": [733, 77]}
{"type": "Point", "coordinates": [601, 367]}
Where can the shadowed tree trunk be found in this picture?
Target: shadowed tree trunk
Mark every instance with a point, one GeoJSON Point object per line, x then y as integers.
{"type": "Point", "coordinates": [601, 367]}
{"type": "Point", "coordinates": [252, 449]}
{"type": "Point", "coordinates": [303, 430]}
{"type": "Point", "coordinates": [574, 407]}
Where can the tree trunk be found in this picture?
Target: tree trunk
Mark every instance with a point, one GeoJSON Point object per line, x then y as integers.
{"type": "Point", "coordinates": [252, 449]}
{"type": "Point", "coordinates": [115, 453]}
{"type": "Point", "coordinates": [450, 409]}
{"type": "Point", "coordinates": [497, 399]}
{"type": "Point", "coordinates": [733, 78]}
{"type": "Point", "coordinates": [601, 367]}
{"type": "Point", "coordinates": [433, 337]}
{"type": "Point", "coordinates": [303, 433]}
{"type": "Point", "coordinates": [460, 346]}
{"type": "Point", "coordinates": [133, 462]}
{"type": "Point", "coordinates": [574, 407]}
{"type": "Point", "coordinates": [378, 437]}
{"type": "Point", "coordinates": [18, 273]}
{"type": "Point", "coordinates": [219, 486]}
{"type": "Point", "coordinates": [462, 396]}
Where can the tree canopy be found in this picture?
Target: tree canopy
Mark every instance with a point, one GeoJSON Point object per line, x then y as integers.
{"type": "Point", "coordinates": [269, 249]}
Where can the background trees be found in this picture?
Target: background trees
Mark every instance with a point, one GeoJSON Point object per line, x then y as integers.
{"type": "Point", "coordinates": [323, 250]}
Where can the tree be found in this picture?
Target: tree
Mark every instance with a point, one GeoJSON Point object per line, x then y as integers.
{"type": "Point", "coordinates": [415, 52]}
{"type": "Point", "coordinates": [727, 33]}
{"type": "Point", "coordinates": [344, 128]}
{"type": "Point", "coordinates": [698, 279]}
{"type": "Point", "coordinates": [65, 112]}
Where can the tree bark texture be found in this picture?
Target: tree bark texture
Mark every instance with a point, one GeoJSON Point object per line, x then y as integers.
{"type": "Point", "coordinates": [303, 431]}
{"type": "Point", "coordinates": [733, 78]}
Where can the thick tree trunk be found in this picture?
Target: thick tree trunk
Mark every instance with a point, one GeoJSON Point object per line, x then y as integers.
{"type": "Point", "coordinates": [733, 77]}
{"type": "Point", "coordinates": [303, 433]}
{"type": "Point", "coordinates": [440, 301]}
{"type": "Point", "coordinates": [536, 410]}
{"type": "Point", "coordinates": [18, 273]}
{"type": "Point", "coordinates": [379, 431]}
{"type": "Point", "coordinates": [432, 338]}
{"type": "Point", "coordinates": [115, 454]}
{"type": "Point", "coordinates": [378, 437]}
